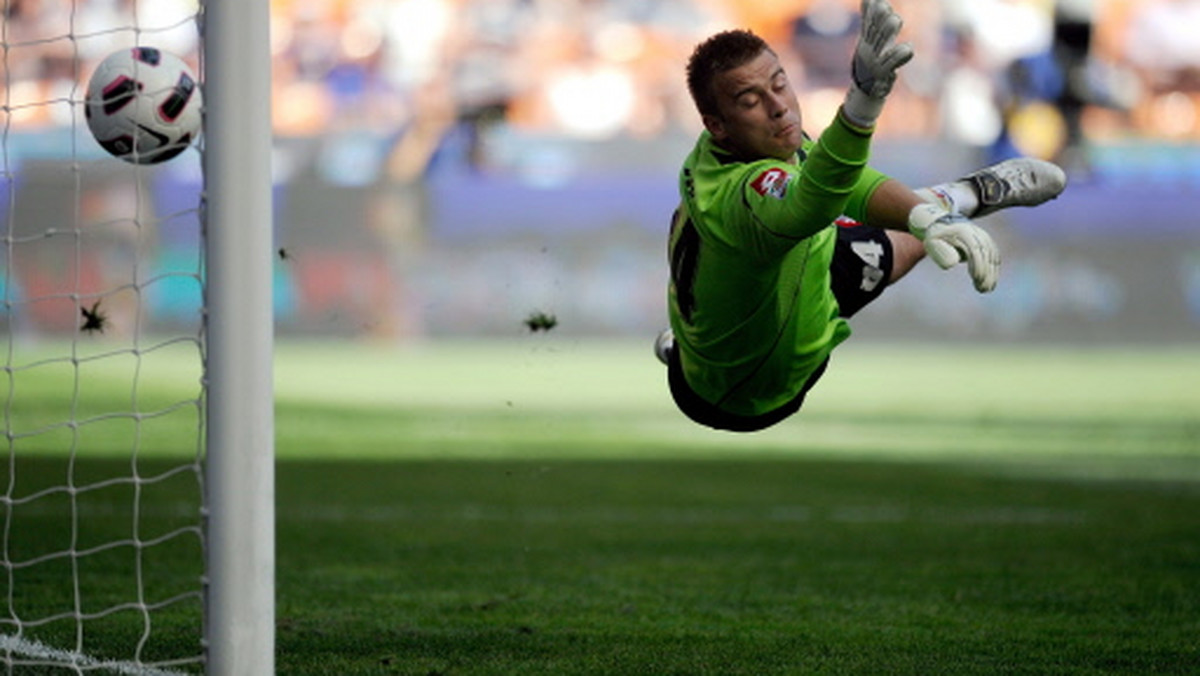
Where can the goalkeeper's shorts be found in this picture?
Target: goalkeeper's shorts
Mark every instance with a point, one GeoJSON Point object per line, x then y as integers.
{"type": "Point", "coordinates": [699, 410]}
{"type": "Point", "coordinates": [861, 266]}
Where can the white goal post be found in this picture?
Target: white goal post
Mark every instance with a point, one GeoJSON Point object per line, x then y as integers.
{"type": "Point", "coordinates": [240, 615]}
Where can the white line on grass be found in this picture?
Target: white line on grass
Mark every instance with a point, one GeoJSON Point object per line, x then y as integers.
{"type": "Point", "coordinates": [38, 651]}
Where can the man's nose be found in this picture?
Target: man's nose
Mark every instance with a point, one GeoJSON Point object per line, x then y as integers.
{"type": "Point", "coordinates": [776, 105]}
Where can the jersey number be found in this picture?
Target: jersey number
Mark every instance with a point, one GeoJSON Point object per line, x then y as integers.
{"type": "Point", "coordinates": [684, 255]}
{"type": "Point", "coordinates": [871, 252]}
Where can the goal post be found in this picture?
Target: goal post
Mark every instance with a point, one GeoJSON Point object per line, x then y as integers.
{"type": "Point", "coordinates": [240, 613]}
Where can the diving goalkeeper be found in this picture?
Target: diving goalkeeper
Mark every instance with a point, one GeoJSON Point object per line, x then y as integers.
{"type": "Point", "coordinates": [778, 239]}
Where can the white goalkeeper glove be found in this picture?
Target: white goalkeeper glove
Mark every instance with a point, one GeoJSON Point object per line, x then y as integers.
{"type": "Point", "coordinates": [952, 238]}
{"type": "Point", "coordinates": [877, 57]}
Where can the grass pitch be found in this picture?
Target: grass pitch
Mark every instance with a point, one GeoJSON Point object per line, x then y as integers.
{"type": "Point", "coordinates": [538, 507]}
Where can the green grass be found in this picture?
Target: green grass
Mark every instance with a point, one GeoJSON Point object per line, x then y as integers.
{"type": "Point", "coordinates": [538, 507]}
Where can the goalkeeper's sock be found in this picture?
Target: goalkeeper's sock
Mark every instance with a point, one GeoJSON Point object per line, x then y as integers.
{"type": "Point", "coordinates": [956, 197]}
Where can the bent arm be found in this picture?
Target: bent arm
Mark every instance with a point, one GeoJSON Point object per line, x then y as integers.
{"type": "Point", "coordinates": [889, 206]}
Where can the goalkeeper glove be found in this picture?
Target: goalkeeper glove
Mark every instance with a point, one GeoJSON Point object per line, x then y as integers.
{"type": "Point", "coordinates": [876, 59]}
{"type": "Point", "coordinates": [952, 238]}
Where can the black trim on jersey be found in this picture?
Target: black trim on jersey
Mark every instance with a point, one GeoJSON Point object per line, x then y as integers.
{"type": "Point", "coordinates": [685, 260]}
{"type": "Point", "coordinates": [724, 157]}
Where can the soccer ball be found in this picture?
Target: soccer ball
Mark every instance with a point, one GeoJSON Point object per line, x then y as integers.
{"type": "Point", "coordinates": [143, 105]}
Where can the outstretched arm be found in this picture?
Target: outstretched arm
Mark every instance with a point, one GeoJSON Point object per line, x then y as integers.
{"type": "Point", "coordinates": [832, 169]}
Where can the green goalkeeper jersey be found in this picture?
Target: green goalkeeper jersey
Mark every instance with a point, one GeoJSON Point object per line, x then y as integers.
{"type": "Point", "coordinates": [750, 300]}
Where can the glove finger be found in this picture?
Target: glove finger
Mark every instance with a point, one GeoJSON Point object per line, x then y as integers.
{"type": "Point", "coordinates": [866, 13]}
{"type": "Point", "coordinates": [983, 260]}
{"type": "Point", "coordinates": [942, 252]}
{"type": "Point", "coordinates": [985, 276]}
{"type": "Point", "coordinates": [897, 56]}
{"type": "Point", "coordinates": [874, 18]}
{"type": "Point", "coordinates": [889, 28]}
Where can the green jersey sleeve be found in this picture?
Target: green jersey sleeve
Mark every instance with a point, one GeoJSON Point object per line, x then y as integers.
{"type": "Point", "coordinates": [780, 203]}
{"type": "Point", "coordinates": [868, 182]}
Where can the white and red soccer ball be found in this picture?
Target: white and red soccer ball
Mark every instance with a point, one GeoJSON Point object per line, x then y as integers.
{"type": "Point", "coordinates": [143, 105]}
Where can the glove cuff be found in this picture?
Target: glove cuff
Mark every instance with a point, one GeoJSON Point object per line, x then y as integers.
{"type": "Point", "coordinates": [861, 109]}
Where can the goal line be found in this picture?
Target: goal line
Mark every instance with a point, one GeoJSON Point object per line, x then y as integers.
{"type": "Point", "coordinates": [37, 654]}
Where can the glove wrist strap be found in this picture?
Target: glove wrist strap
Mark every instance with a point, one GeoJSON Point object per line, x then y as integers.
{"type": "Point", "coordinates": [922, 216]}
{"type": "Point", "coordinates": [861, 109]}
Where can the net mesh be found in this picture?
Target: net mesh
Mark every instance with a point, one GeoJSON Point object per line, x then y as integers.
{"type": "Point", "coordinates": [100, 275]}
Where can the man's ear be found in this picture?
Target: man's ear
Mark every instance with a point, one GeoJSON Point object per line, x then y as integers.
{"type": "Point", "coordinates": [714, 125]}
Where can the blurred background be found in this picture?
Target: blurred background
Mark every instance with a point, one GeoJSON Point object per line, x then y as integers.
{"type": "Point", "coordinates": [448, 167]}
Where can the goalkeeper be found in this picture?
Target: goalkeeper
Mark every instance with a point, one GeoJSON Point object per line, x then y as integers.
{"type": "Point", "coordinates": [779, 239]}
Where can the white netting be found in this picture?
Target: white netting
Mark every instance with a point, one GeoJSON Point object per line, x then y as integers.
{"type": "Point", "coordinates": [102, 394]}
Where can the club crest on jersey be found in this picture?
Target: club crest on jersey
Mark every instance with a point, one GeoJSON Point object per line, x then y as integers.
{"type": "Point", "coordinates": [772, 183]}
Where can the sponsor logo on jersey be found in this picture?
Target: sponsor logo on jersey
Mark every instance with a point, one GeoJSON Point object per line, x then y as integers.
{"type": "Point", "coordinates": [772, 183]}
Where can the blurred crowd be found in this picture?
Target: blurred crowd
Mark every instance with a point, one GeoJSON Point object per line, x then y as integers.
{"type": "Point", "coordinates": [1046, 75]}
{"type": "Point", "coordinates": [384, 229]}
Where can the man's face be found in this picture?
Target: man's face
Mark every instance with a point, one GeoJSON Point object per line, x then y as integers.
{"type": "Point", "coordinates": [758, 114]}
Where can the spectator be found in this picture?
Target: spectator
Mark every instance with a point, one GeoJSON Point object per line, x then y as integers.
{"type": "Point", "coordinates": [1162, 47]}
{"type": "Point", "coordinates": [1074, 24]}
{"type": "Point", "coordinates": [1162, 43]}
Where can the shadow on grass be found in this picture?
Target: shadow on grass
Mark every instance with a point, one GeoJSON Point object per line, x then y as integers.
{"type": "Point", "coordinates": [722, 566]}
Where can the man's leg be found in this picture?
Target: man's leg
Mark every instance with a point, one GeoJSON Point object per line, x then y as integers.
{"type": "Point", "coordinates": [907, 251]}
{"type": "Point", "coordinates": [863, 264]}
{"type": "Point", "coordinates": [1019, 182]}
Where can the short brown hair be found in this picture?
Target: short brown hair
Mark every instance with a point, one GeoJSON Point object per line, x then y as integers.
{"type": "Point", "coordinates": [721, 52]}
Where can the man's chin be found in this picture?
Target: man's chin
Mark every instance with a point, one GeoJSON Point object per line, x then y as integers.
{"type": "Point", "coordinates": [784, 151]}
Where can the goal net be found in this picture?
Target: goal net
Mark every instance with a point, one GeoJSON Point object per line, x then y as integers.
{"type": "Point", "coordinates": [106, 547]}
